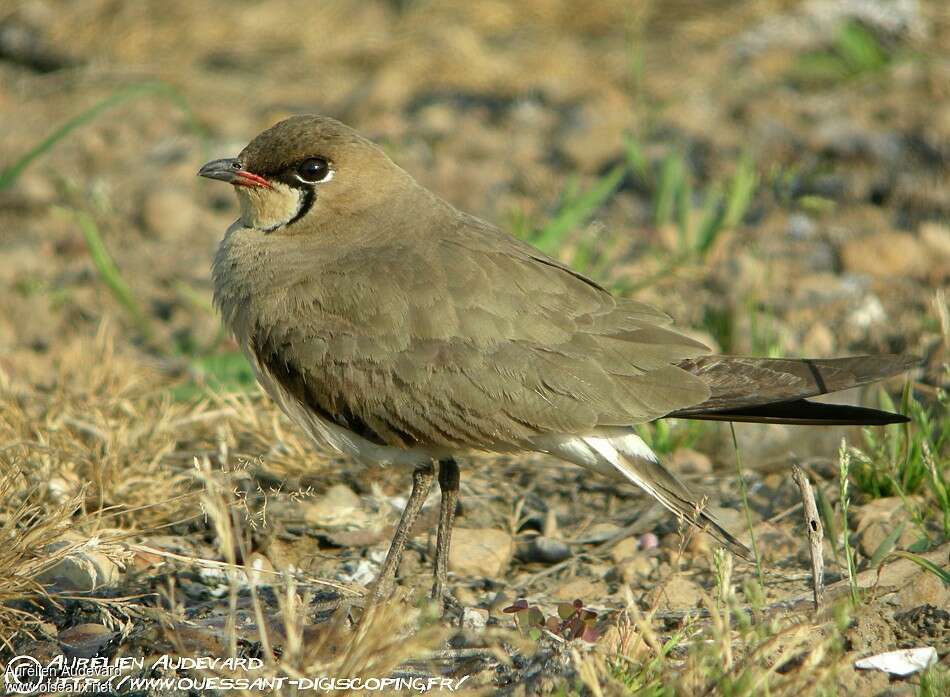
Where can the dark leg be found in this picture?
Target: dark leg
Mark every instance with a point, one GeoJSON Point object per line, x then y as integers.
{"type": "Point", "coordinates": [449, 485]}
{"type": "Point", "coordinates": [421, 483]}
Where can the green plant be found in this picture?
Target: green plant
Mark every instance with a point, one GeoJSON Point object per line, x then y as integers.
{"type": "Point", "coordinates": [9, 175]}
{"type": "Point", "coordinates": [900, 459]}
{"type": "Point", "coordinates": [668, 435]}
{"type": "Point", "coordinates": [573, 621]}
{"type": "Point", "coordinates": [844, 464]}
{"type": "Point", "coordinates": [854, 51]}
{"type": "Point", "coordinates": [697, 218]}
{"type": "Point", "coordinates": [108, 271]}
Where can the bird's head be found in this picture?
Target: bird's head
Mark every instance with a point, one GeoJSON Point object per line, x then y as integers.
{"type": "Point", "coordinates": [304, 171]}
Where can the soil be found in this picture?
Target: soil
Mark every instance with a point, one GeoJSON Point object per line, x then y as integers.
{"type": "Point", "coordinates": [502, 109]}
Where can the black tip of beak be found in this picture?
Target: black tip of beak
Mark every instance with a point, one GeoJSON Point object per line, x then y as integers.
{"type": "Point", "coordinates": [231, 170]}
{"type": "Point", "coordinates": [225, 169]}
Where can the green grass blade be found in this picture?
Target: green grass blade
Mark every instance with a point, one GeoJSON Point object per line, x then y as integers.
{"type": "Point", "coordinates": [926, 565]}
{"type": "Point", "coordinates": [9, 175]}
{"type": "Point", "coordinates": [739, 195]}
{"type": "Point", "coordinates": [886, 546]}
{"type": "Point", "coordinates": [109, 272]}
{"type": "Point", "coordinates": [577, 210]}
{"type": "Point", "coordinates": [672, 174]}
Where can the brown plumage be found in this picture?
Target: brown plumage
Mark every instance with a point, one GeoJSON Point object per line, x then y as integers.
{"type": "Point", "coordinates": [398, 329]}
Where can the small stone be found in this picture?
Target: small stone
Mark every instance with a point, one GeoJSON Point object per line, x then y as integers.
{"type": "Point", "coordinates": [589, 590]}
{"type": "Point", "coordinates": [169, 213]}
{"type": "Point", "coordinates": [627, 548]}
{"type": "Point", "coordinates": [936, 237]}
{"type": "Point", "coordinates": [637, 568]}
{"type": "Point", "coordinates": [599, 532]}
{"type": "Point", "coordinates": [677, 594]}
{"type": "Point", "coordinates": [689, 461]}
{"type": "Point", "coordinates": [818, 341]}
{"type": "Point", "coordinates": [81, 570]}
{"type": "Point", "coordinates": [800, 227]}
{"type": "Point", "coordinates": [544, 550]}
{"type": "Point", "coordinates": [338, 507]}
{"type": "Point", "coordinates": [870, 539]}
{"type": "Point", "coordinates": [700, 545]}
{"type": "Point", "coordinates": [480, 552]}
{"type": "Point", "coordinates": [474, 618]}
{"type": "Point", "coordinates": [649, 540]}
{"type": "Point", "coordinates": [924, 589]}
{"type": "Point", "coordinates": [886, 254]}
{"type": "Point", "coordinates": [85, 640]}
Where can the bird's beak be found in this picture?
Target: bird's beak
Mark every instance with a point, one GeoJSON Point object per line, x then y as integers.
{"type": "Point", "coordinates": [231, 170]}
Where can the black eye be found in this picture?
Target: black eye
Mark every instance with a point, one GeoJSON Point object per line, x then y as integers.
{"type": "Point", "coordinates": [313, 170]}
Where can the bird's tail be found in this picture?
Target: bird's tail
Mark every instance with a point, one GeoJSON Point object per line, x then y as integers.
{"type": "Point", "coordinates": [775, 390]}
{"type": "Point", "coordinates": [622, 454]}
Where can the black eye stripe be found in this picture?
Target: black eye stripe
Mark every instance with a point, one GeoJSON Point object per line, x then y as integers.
{"type": "Point", "coordinates": [309, 197]}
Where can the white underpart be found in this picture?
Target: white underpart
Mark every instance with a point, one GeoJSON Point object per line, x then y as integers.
{"type": "Point", "coordinates": [613, 456]}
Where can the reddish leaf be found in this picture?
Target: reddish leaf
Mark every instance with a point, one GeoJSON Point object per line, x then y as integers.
{"type": "Point", "coordinates": [517, 606]}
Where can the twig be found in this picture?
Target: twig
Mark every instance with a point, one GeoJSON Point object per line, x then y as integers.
{"type": "Point", "coordinates": [815, 534]}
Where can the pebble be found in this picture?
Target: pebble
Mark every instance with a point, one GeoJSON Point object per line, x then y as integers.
{"type": "Point", "coordinates": [480, 551]}
{"type": "Point", "coordinates": [474, 618]}
{"type": "Point", "coordinates": [924, 589]}
{"type": "Point", "coordinates": [636, 568]}
{"type": "Point", "coordinates": [586, 589]}
{"type": "Point", "coordinates": [339, 506]}
{"type": "Point", "coordinates": [818, 341]}
{"type": "Point", "coordinates": [677, 594]}
{"type": "Point", "coordinates": [627, 548]}
{"type": "Point", "coordinates": [81, 570]}
{"type": "Point", "coordinates": [689, 461]}
{"type": "Point", "coordinates": [169, 213]}
{"type": "Point", "coordinates": [886, 254]}
{"type": "Point", "coordinates": [545, 550]}
{"type": "Point", "coordinates": [85, 640]}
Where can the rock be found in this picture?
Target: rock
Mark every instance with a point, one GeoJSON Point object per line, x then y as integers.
{"type": "Point", "coordinates": [689, 461]}
{"type": "Point", "coordinates": [544, 550]}
{"type": "Point", "coordinates": [169, 213]}
{"type": "Point", "coordinates": [818, 341]}
{"type": "Point", "coordinates": [649, 540]}
{"type": "Point", "coordinates": [635, 569]}
{"type": "Point", "coordinates": [474, 618]}
{"type": "Point", "coordinates": [591, 591]}
{"type": "Point", "coordinates": [627, 548]}
{"type": "Point", "coordinates": [924, 589]}
{"type": "Point", "coordinates": [83, 569]}
{"type": "Point", "coordinates": [870, 539]}
{"type": "Point", "coordinates": [596, 135]}
{"type": "Point", "coordinates": [886, 254]}
{"type": "Point", "coordinates": [599, 532]}
{"type": "Point", "coordinates": [85, 640]}
{"type": "Point", "coordinates": [677, 594]}
{"type": "Point", "coordinates": [338, 507]}
{"type": "Point", "coordinates": [480, 552]}
{"type": "Point", "coordinates": [936, 237]}
{"type": "Point", "coordinates": [801, 227]}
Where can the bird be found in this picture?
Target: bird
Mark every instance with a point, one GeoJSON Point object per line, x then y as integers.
{"type": "Point", "coordinates": [400, 331]}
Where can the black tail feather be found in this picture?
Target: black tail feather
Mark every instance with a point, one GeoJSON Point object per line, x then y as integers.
{"type": "Point", "coordinates": [803, 412]}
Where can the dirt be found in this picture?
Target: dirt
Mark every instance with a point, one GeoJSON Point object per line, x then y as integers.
{"type": "Point", "coordinates": [500, 108]}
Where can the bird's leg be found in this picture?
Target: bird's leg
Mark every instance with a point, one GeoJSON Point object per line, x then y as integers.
{"type": "Point", "coordinates": [421, 483]}
{"type": "Point", "coordinates": [449, 486]}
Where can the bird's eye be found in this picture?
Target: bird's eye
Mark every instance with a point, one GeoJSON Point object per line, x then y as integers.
{"type": "Point", "coordinates": [314, 170]}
